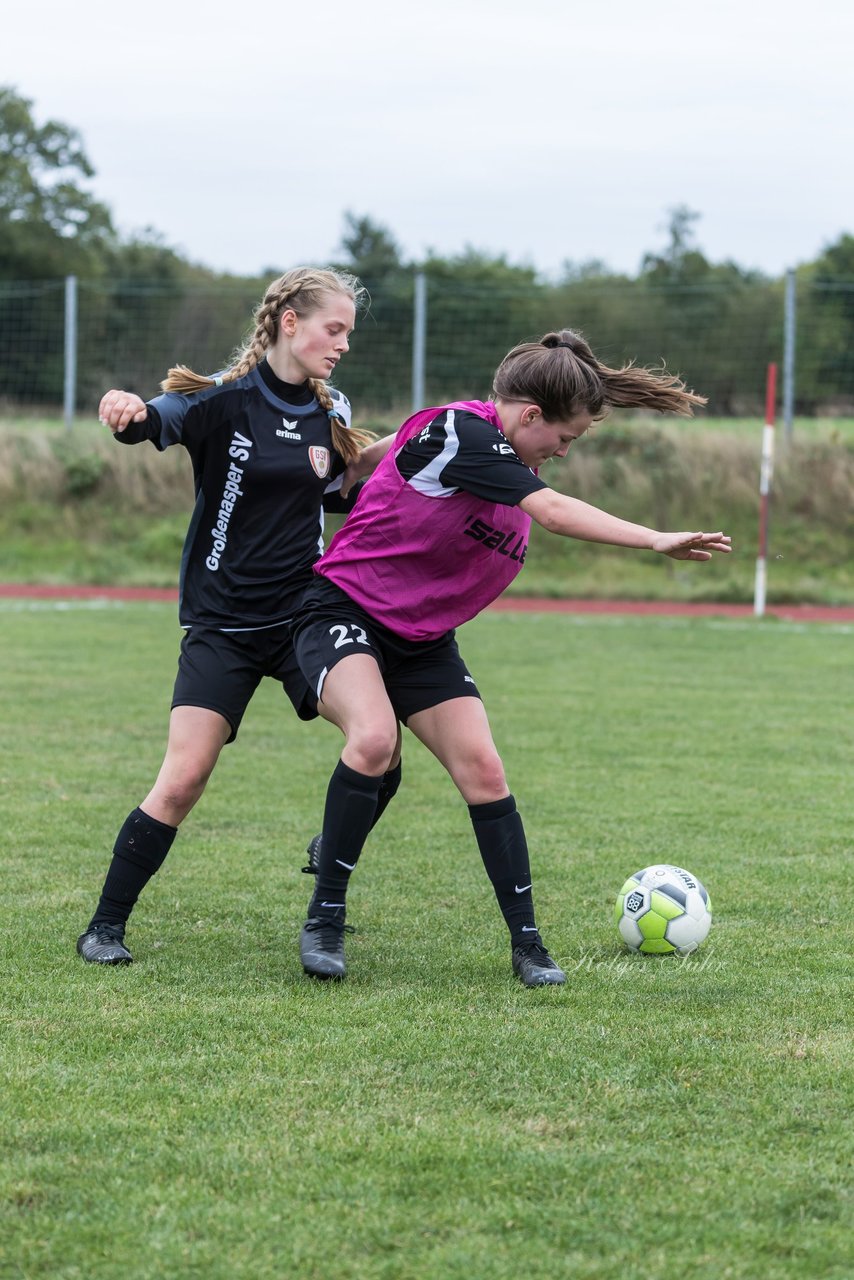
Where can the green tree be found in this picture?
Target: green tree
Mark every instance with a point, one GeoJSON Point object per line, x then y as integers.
{"type": "Point", "coordinates": [131, 318]}
{"type": "Point", "coordinates": [825, 330]}
{"type": "Point", "coordinates": [717, 325]}
{"type": "Point", "coordinates": [680, 262]}
{"type": "Point", "coordinates": [378, 372]}
{"type": "Point", "coordinates": [478, 307]}
{"type": "Point", "coordinates": [50, 225]}
{"type": "Point", "coordinates": [371, 250]}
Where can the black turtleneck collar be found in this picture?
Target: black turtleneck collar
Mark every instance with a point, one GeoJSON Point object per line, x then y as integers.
{"type": "Point", "coordinates": [291, 392]}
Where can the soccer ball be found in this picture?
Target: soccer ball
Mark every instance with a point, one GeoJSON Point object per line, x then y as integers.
{"type": "Point", "coordinates": [662, 910]}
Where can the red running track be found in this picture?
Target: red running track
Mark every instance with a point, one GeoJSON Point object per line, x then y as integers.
{"type": "Point", "coordinates": [510, 604]}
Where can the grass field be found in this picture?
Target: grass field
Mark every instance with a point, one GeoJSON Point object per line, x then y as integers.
{"type": "Point", "coordinates": [210, 1112]}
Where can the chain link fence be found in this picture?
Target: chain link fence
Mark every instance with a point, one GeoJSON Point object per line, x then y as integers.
{"type": "Point", "coordinates": [434, 342]}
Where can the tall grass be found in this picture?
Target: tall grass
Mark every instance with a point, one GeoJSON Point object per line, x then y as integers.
{"type": "Point", "coordinates": [79, 507]}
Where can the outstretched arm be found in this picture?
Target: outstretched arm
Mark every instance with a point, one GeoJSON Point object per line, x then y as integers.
{"type": "Point", "coordinates": [572, 518]}
{"type": "Point", "coordinates": [165, 420]}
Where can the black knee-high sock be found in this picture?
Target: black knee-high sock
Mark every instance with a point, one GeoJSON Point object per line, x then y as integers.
{"type": "Point", "coordinates": [501, 839]}
{"type": "Point", "coordinates": [351, 802]}
{"type": "Point", "coordinates": [140, 848]}
{"type": "Point", "coordinates": [389, 784]}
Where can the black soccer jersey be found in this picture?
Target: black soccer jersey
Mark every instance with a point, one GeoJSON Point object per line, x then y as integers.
{"type": "Point", "coordinates": [458, 450]}
{"type": "Point", "coordinates": [264, 468]}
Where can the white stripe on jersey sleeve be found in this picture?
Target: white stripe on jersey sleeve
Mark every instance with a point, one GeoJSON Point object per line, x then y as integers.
{"type": "Point", "coordinates": [341, 405]}
{"type": "Point", "coordinates": [427, 481]}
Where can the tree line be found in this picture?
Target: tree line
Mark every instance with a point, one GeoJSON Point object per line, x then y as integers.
{"type": "Point", "coordinates": [147, 306]}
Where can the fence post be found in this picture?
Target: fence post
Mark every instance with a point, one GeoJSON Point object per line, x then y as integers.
{"type": "Point", "coordinates": [70, 388]}
{"type": "Point", "coordinates": [765, 475]}
{"type": "Point", "coordinates": [419, 340]}
{"type": "Point", "coordinates": [789, 356]}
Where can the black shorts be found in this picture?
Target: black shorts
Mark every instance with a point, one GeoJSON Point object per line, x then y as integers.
{"type": "Point", "coordinates": [418, 674]}
{"type": "Point", "coordinates": [220, 670]}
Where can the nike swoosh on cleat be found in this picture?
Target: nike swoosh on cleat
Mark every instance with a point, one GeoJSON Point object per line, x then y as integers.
{"type": "Point", "coordinates": [525, 888]}
{"type": "Point", "coordinates": [346, 865]}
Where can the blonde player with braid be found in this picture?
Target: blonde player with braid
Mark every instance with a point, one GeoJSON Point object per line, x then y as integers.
{"type": "Point", "coordinates": [272, 448]}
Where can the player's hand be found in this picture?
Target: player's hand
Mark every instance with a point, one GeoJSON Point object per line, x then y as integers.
{"type": "Point", "coordinates": [691, 546]}
{"type": "Point", "coordinates": [352, 475]}
{"type": "Point", "coordinates": [119, 408]}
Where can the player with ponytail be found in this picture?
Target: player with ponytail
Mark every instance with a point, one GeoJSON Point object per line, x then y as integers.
{"type": "Point", "coordinates": [438, 534]}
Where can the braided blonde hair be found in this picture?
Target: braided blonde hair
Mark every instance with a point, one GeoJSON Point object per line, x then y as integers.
{"type": "Point", "coordinates": [561, 374]}
{"type": "Point", "coordinates": [302, 290]}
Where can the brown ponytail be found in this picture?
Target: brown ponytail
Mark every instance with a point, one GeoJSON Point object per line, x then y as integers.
{"type": "Point", "coordinates": [561, 374]}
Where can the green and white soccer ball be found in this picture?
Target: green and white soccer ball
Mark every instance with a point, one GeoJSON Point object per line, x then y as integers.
{"type": "Point", "coordinates": [662, 910]}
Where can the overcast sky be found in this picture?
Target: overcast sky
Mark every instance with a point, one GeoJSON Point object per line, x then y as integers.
{"type": "Point", "coordinates": [538, 129]}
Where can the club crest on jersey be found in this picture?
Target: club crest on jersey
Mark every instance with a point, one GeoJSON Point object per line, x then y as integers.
{"type": "Point", "coordinates": [319, 459]}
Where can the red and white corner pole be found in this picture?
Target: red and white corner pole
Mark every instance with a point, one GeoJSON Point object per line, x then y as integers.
{"type": "Point", "coordinates": [765, 474]}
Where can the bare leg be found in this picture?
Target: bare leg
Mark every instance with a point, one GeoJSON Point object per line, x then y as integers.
{"type": "Point", "coordinates": [355, 699]}
{"type": "Point", "coordinates": [458, 734]}
{"type": "Point", "coordinates": [389, 786]}
{"type": "Point", "coordinates": [196, 737]}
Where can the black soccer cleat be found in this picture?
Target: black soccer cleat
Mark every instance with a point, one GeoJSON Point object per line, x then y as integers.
{"type": "Point", "coordinates": [533, 964]}
{"type": "Point", "coordinates": [313, 852]}
{"type": "Point", "coordinates": [104, 944]}
{"type": "Point", "coordinates": [321, 947]}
